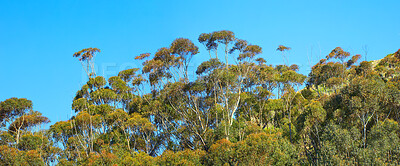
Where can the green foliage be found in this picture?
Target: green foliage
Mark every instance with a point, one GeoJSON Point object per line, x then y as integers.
{"type": "Point", "coordinates": [6, 138]}
{"type": "Point", "coordinates": [256, 149]}
{"type": "Point", "coordinates": [12, 108]}
{"type": "Point", "coordinates": [383, 140]}
{"type": "Point", "coordinates": [185, 157]}
{"type": "Point", "coordinates": [12, 156]}
{"type": "Point", "coordinates": [30, 142]}
{"type": "Point", "coordinates": [242, 113]}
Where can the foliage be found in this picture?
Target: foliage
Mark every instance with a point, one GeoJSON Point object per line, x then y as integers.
{"type": "Point", "coordinates": [236, 111]}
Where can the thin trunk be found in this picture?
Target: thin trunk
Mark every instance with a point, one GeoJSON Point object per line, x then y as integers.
{"type": "Point", "coordinates": [226, 60]}
{"type": "Point", "coordinates": [19, 128]}
{"type": "Point", "coordinates": [216, 53]}
{"type": "Point", "coordinates": [365, 135]}
{"type": "Point", "coordinates": [290, 127]}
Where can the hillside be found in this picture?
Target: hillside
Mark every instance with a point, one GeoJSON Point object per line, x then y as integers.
{"type": "Point", "coordinates": [239, 110]}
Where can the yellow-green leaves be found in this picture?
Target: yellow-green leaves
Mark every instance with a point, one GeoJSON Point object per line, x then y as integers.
{"type": "Point", "coordinates": [86, 54]}
{"type": "Point", "coordinates": [13, 108]}
{"type": "Point", "coordinates": [31, 119]}
{"type": "Point", "coordinates": [184, 48]}
{"type": "Point", "coordinates": [80, 104]}
{"type": "Point", "coordinates": [128, 74]}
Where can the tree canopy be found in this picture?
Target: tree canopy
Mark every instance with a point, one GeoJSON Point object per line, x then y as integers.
{"type": "Point", "coordinates": [238, 110]}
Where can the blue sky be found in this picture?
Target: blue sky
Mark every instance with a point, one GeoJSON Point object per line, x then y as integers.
{"type": "Point", "coordinates": [38, 38]}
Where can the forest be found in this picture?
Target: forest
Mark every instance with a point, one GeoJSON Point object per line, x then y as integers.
{"type": "Point", "coordinates": [237, 110]}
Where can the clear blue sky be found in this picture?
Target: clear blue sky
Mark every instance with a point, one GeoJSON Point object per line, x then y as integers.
{"type": "Point", "coordinates": [38, 38]}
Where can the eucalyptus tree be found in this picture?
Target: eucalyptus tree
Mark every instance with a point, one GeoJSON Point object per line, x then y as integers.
{"type": "Point", "coordinates": [215, 39]}
{"type": "Point", "coordinates": [226, 38]}
{"type": "Point", "coordinates": [291, 81]}
{"type": "Point", "coordinates": [341, 55]}
{"type": "Point", "coordinates": [258, 89]}
{"type": "Point", "coordinates": [310, 124]}
{"type": "Point", "coordinates": [245, 66]}
{"type": "Point", "coordinates": [189, 100]}
{"type": "Point", "coordinates": [228, 82]}
{"type": "Point", "coordinates": [333, 71]}
{"type": "Point", "coordinates": [362, 99]}
{"type": "Point", "coordinates": [182, 99]}
{"type": "Point", "coordinates": [282, 49]}
{"type": "Point", "coordinates": [288, 83]}
{"type": "Point", "coordinates": [17, 115]}
{"type": "Point", "coordinates": [12, 108]}
{"type": "Point", "coordinates": [209, 42]}
{"type": "Point", "coordinates": [87, 55]}
{"type": "Point", "coordinates": [185, 50]}
{"type": "Point", "coordinates": [104, 119]}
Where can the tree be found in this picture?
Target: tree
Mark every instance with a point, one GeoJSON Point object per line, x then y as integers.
{"type": "Point", "coordinates": [184, 49]}
{"type": "Point", "coordinates": [12, 108]}
{"type": "Point", "coordinates": [362, 98]}
{"type": "Point", "coordinates": [283, 48]}
{"type": "Point", "coordinates": [18, 115]}
{"type": "Point", "coordinates": [88, 55]}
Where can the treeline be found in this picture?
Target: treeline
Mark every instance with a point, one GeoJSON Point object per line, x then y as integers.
{"type": "Point", "coordinates": [239, 110]}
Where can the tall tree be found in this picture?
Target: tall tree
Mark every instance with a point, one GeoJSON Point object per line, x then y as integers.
{"type": "Point", "coordinates": [87, 55]}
